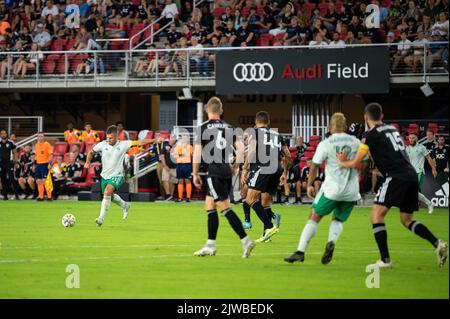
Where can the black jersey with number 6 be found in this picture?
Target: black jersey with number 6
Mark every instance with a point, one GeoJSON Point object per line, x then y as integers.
{"type": "Point", "coordinates": [217, 141]}
{"type": "Point", "coordinates": [269, 145]}
{"type": "Point", "coordinates": [388, 152]}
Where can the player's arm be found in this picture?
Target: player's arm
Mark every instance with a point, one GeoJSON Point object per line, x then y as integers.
{"type": "Point", "coordinates": [432, 163]}
{"type": "Point", "coordinates": [15, 156]}
{"type": "Point", "coordinates": [240, 154]}
{"type": "Point", "coordinates": [286, 164]}
{"type": "Point", "coordinates": [311, 178]}
{"type": "Point", "coordinates": [143, 142]}
{"type": "Point", "coordinates": [251, 154]}
{"type": "Point", "coordinates": [196, 160]}
{"type": "Point", "coordinates": [343, 160]}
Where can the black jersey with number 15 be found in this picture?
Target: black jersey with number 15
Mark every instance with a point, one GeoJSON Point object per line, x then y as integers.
{"type": "Point", "coordinates": [217, 148]}
{"type": "Point", "coordinates": [388, 152]}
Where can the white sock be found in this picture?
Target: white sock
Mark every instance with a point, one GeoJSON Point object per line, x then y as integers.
{"type": "Point", "coordinates": [424, 200]}
{"type": "Point", "coordinates": [336, 228]}
{"type": "Point", "coordinates": [106, 202]}
{"type": "Point", "coordinates": [116, 199]}
{"type": "Point", "coordinates": [307, 234]}
{"type": "Point", "coordinates": [245, 240]}
{"type": "Point", "coordinates": [211, 242]}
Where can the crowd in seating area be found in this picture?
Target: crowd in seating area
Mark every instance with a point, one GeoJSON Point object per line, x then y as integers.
{"type": "Point", "coordinates": [30, 27]}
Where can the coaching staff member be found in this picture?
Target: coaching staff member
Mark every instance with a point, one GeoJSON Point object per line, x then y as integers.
{"type": "Point", "coordinates": [8, 159]}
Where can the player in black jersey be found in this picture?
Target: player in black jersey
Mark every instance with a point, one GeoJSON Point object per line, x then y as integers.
{"type": "Point", "coordinates": [400, 188]}
{"type": "Point", "coordinates": [214, 151]}
{"type": "Point", "coordinates": [263, 171]}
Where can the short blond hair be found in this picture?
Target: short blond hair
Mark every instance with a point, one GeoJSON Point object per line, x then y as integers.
{"type": "Point", "coordinates": [214, 105]}
{"type": "Point", "coordinates": [339, 122]}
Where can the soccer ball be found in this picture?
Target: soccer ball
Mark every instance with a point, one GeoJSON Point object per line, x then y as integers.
{"type": "Point", "coordinates": [68, 220]}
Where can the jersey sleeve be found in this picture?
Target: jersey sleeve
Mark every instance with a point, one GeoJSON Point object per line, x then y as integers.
{"type": "Point", "coordinates": [98, 148]}
{"type": "Point", "coordinates": [320, 155]}
{"type": "Point", "coordinates": [128, 144]}
{"type": "Point", "coordinates": [424, 151]}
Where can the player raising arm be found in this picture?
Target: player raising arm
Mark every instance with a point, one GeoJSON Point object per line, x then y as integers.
{"type": "Point", "coordinates": [401, 187]}
{"type": "Point", "coordinates": [113, 153]}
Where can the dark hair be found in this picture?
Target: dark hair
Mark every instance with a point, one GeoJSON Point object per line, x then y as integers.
{"type": "Point", "coordinates": [121, 123]}
{"type": "Point", "coordinates": [111, 129]}
{"type": "Point", "coordinates": [374, 111]}
{"type": "Point", "coordinates": [262, 117]}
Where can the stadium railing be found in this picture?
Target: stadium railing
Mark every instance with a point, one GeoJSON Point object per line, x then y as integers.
{"type": "Point", "coordinates": [23, 125]}
{"type": "Point", "coordinates": [171, 67]}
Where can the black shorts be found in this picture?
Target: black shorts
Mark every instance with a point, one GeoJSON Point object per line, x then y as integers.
{"type": "Point", "coordinates": [399, 193]}
{"type": "Point", "coordinates": [218, 188]}
{"type": "Point", "coordinates": [294, 175]}
{"type": "Point", "coordinates": [184, 171]}
{"type": "Point", "coordinates": [265, 183]}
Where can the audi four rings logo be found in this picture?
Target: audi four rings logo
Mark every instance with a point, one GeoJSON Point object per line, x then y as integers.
{"type": "Point", "coordinates": [253, 72]}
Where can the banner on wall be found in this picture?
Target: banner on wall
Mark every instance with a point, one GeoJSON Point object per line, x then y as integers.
{"type": "Point", "coordinates": [436, 189]}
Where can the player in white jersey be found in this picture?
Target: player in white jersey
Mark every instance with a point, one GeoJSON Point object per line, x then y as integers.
{"type": "Point", "coordinates": [417, 154]}
{"type": "Point", "coordinates": [113, 153]}
{"type": "Point", "coordinates": [339, 192]}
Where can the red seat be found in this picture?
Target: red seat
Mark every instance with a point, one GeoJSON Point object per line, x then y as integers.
{"type": "Point", "coordinates": [218, 12]}
{"type": "Point", "coordinates": [101, 135]}
{"type": "Point", "coordinates": [265, 39]}
{"type": "Point", "coordinates": [433, 127]}
{"type": "Point", "coordinates": [58, 45]}
{"type": "Point", "coordinates": [69, 44]}
{"type": "Point", "coordinates": [133, 135]}
{"type": "Point", "coordinates": [308, 9]}
{"type": "Point", "coordinates": [314, 143]}
{"type": "Point", "coordinates": [48, 65]}
{"type": "Point", "coordinates": [89, 177]}
{"type": "Point", "coordinates": [245, 11]}
{"type": "Point", "coordinates": [60, 148]}
{"type": "Point", "coordinates": [164, 134]}
{"type": "Point", "coordinates": [323, 8]}
{"type": "Point", "coordinates": [88, 147]}
{"type": "Point", "coordinates": [279, 37]}
{"type": "Point", "coordinates": [80, 146]}
{"type": "Point", "coordinates": [396, 126]}
{"type": "Point", "coordinates": [309, 154]}
{"type": "Point", "coordinates": [150, 135]}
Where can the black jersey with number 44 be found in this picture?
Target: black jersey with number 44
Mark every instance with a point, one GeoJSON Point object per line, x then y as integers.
{"type": "Point", "coordinates": [217, 141]}
{"type": "Point", "coordinates": [388, 152]}
{"type": "Point", "coordinates": [272, 143]}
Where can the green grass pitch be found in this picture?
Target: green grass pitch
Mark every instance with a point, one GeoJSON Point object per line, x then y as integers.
{"type": "Point", "coordinates": [150, 255]}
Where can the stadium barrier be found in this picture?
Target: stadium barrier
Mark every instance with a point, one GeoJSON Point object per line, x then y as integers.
{"type": "Point", "coordinates": [25, 125]}
{"type": "Point", "coordinates": [183, 66]}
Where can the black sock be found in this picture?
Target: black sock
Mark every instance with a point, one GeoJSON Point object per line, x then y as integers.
{"type": "Point", "coordinates": [235, 222]}
{"type": "Point", "coordinates": [269, 212]}
{"type": "Point", "coordinates": [213, 224]}
{"type": "Point", "coordinates": [298, 199]}
{"type": "Point", "coordinates": [260, 211]}
{"type": "Point", "coordinates": [246, 208]}
{"type": "Point", "coordinates": [422, 231]}
{"type": "Point", "coordinates": [380, 233]}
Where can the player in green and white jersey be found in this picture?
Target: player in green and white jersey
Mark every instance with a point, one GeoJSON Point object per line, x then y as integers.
{"type": "Point", "coordinates": [417, 154]}
{"type": "Point", "coordinates": [113, 154]}
{"type": "Point", "coordinates": [339, 192]}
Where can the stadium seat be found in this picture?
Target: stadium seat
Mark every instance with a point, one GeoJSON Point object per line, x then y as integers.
{"type": "Point", "coordinates": [80, 146]}
{"type": "Point", "coordinates": [309, 154]}
{"type": "Point", "coordinates": [293, 151]}
{"type": "Point", "coordinates": [164, 134]}
{"type": "Point", "coordinates": [323, 8]}
{"type": "Point", "coordinates": [218, 12]}
{"type": "Point", "coordinates": [60, 148]}
{"type": "Point", "coordinates": [245, 11]}
{"type": "Point", "coordinates": [58, 45]}
{"type": "Point", "coordinates": [150, 134]}
{"type": "Point", "coordinates": [396, 126]}
{"type": "Point", "coordinates": [433, 127]}
{"type": "Point", "coordinates": [302, 163]}
{"type": "Point", "coordinates": [314, 143]}
{"type": "Point", "coordinates": [88, 147]}
{"type": "Point", "coordinates": [279, 37]}
{"type": "Point", "coordinates": [315, 138]}
{"type": "Point", "coordinates": [265, 39]}
{"type": "Point", "coordinates": [89, 177]}
{"type": "Point", "coordinates": [133, 135]}
{"type": "Point", "coordinates": [101, 135]}
{"type": "Point", "coordinates": [308, 9]}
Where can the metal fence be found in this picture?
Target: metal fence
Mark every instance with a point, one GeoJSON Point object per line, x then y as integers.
{"type": "Point", "coordinates": [155, 67]}
{"type": "Point", "coordinates": [22, 126]}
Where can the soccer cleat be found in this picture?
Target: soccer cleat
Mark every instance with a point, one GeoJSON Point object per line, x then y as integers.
{"type": "Point", "coordinates": [328, 254]}
{"type": "Point", "coordinates": [206, 251]}
{"type": "Point", "coordinates": [247, 225]}
{"type": "Point", "coordinates": [430, 208]}
{"type": "Point", "coordinates": [99, 222]}
{"type": "Point", "coordinates": [297, 256]}
{"type": "Point", "coordinates": [268, 234]}
{"type": "Point", "coordinates": [247, 248]}
{"type": "Point", "coordinates": [168, 199]}
{"type": "Point", "coordinates": [125, 210]}
{"type": "Point", "coordinates": [441, 253]}
{"type": "Point", "coordinates": [277, 219]}
{"type": "Point", "coordinates": [382, 264]}
{"type": "Point", "coordinates": [188, 200]}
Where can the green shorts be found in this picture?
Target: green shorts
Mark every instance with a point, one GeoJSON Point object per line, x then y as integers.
{"type": "Point", "coordinates": [420, 177]}
{"type": "Point", "coordinates": [324, 206]}
{"type": "Point", "coordinates": [114, 181]}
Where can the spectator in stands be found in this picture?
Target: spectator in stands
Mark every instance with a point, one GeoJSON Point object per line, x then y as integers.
{"type": "Point", "coordinates": [292, 32]}
{"type": "Point", "coordinates": [169, 12]}
{"type": "Point", "coordinates": [413, 11]}
{"type": "Point", "coordinates": [425, 26]}
{"type": "Point", "coordinates": [441, 154]}
{"type": "Point", "coordinates": [79, 157]}
{"type": "Point", "coordinates": [319, 41]}
{"type": "Point", "coordinates": [183, 156]}
{"type": "Point", "coordinates": [199, 33]}
{"type": "Point", "coordinates": [230, 32]}
{"type": "Point", "coordinates": [143, 65]}
{"type": "Point", "coordinates": [284, 20]}
{"type": "Point", "coordinates": [168, 174]}
{"type": "Point", "coordinates": [50, 8]}
{"type": "Point", "coordinates": [355, 26]}
{"type": "Point", "coordinates": [89, 135]}
{"type": "Point", "coordinates": [199, 59]}
{"type": "Point", "coordinates": [403, 51]}
{"type": "Point", "coordinates": [351, 39]}
{"type": "Point", "coordinates": [26, 176]}
{"type": "Point", "coordinates": [122, 135]}
{"type": "Point", "coordinates": [419, 47]}
{"type": "Point", "coordinates": [173, 36]}
{"type": "Point", "coordinates": [186, 32]}
{"type": "Point", "coordinates": [435, 50]}
{"type": "Point", "coordinates": [331, 17]}
{"type": "Point", "coordinates": [245, 35]}
{"type": "Point", "coordinates": [431, 9]}
{"type": "Point", "coordinates": [11, 63]}
{"type": "Point", "coordinates": [337, 42]}
{"type": "Point", "coordinates": [30, 62]}
{"type": "Point", "coordinates": [430, 142]}
{"type": "Point", "coordinates": [180, 59]}
{"type": "Point", "coordinates": [305, 174]}
{"type": "Point", "coordinates": [44, 152]}
{"type": "Point", "coordinates": [71, 135]}
{"type": "Point", "coordinates": [207, 19]}
{"type": "Point", "coordinates": [58, 171]}
{"type": "Point", "coordinates": [267, 21]}
{"type": "Point", "coordinates": [442, 25]}
{"type": "Point", "coordinates": [42, 37]}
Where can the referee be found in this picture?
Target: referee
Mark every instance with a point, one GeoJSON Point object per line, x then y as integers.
{"type": "Point", "coordinates": [8, 159]}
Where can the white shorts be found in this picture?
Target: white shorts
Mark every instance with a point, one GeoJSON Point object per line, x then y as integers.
{"type": "Point", "coordinates": [169, 176]}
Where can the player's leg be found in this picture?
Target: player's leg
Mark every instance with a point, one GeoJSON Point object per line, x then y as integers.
{"type": "Point", "coordinates": [116, 199]}
{"type": "Point", "coordinates": [246, 207]}
{"type": "Point", "coordinates": [422, 231]}
{"type": "Point", "coordinates": [422, 197]}
{"type": "Point", "coordinates": [266, 201]}
{"type": "Point", "coordinates": [188, 184]}
{"type": "Point", "coordinates": [269, 228]}
{"type": "Point", "coordinates": [298, 192]}
{"type": "Point", "coordinates": [108, 192]}
{"type": "Point", "coordinates": [287, 193]}
{"type": "Point", "coordinates": [379, 231]}
{"type": "Point", "coordinates": [4, 180]}
{"type": "Point", "coordinates": [209, 249]}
